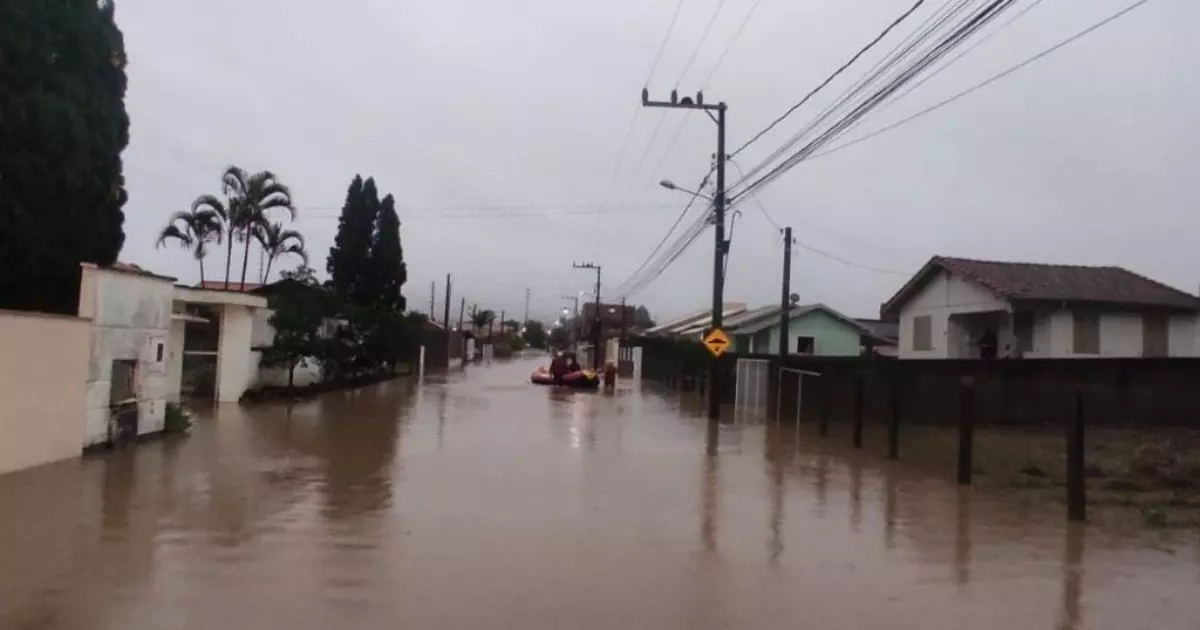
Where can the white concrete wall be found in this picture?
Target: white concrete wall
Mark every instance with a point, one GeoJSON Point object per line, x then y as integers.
{"type": "Point", "coordinates": [941, 297]}
{"type": "Point", "coordinates": [131, 317]}
{"type": "Point", "coordinates": [1181, 334]}
{"type": "Point", "coordinates": [43, 386]}
{"type": "Point", "coordinates": [175, 337]}
{"type": "Point", "coordinates": [237, 366]}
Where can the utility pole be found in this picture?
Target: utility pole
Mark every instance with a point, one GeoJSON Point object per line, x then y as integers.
{"type": "Point", "coordinates": [785, 299]}
{"type": "Point", "coordinates": [501, 324]}
{"type": "Point", "coordinates": [525, 322]}
{"type": "Point", "coordinates": [446, 306]}
{"type": "Point", "coordinates": [596, 323]}
{"type": "Point", "coordinates": [462, 308]}
{"type": "Point", "coordinates": [432, 293]}
{"type": "Point", "coordinates": [623, 323]}
{"type": "Point", "coordinates": [720, 245]}
{"type": "Point", "coordinates": [446, 319]}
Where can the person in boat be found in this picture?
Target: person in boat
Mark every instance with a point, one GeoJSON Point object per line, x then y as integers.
{"type": "Point", "coordinates": [572, 364]}
{"type": "Point", "coordinates": [558, 367]}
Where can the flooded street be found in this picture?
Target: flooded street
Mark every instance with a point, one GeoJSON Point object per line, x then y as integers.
{"type": "Point", "coordinates": [481, 501]}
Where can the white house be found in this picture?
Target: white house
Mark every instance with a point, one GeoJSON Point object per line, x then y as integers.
{"type": "Point", "coordinates": [130, 313]}
{"type": "Point", "coordinates": [1040, 311]}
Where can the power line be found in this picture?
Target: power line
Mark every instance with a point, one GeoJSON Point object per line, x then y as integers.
{"type": "Point", "coordinates": [666, 236]}
{"type": "Point", "coordinates": [663, 46]}
{"type": "Point", "coordinates": [942, 16]}
{"type": "Point", "coordinates": [729, 46]}
{"type": "Point", "coordinates": [916, 5]}
{"type": "Point", "coordinates": [637, 108]}
{"type": "Point", "coordinates": [985, 83]}
{"type": "Point", "coordinates": [757, 202]}
{"type": "Point", "coordinates": [948, 43]}
{"type": "Point", "coordinates": [1020, 14]}
{"type": "Point", "coordinates": [700, 44]}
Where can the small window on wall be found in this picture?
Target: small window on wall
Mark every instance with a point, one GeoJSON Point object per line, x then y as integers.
{"type": "Point", "coordinates": [805, 345]}
{"type": "Point", "coordinates": [1086, 333]}
{"type": "Point", "coordinates": [922, 333]}
{"type": "Point", "coordinates": [158, 352]}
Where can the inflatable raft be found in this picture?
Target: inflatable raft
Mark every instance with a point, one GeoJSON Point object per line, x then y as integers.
{"type": "Point", "coordinates": [583, 379]}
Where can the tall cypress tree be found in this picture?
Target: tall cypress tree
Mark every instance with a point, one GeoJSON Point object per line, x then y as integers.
{"type": "Point", "coordinates": [352, 244]}
{"type": "Point", "coordinates": [387, 257]}
{"type": "Point", "coordinates": [63, 126]}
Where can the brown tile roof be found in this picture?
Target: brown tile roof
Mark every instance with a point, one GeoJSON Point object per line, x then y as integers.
{"type": "Point", "coordinates": [1057, 283]}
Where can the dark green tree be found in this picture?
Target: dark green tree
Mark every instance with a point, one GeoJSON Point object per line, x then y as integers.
{"type": "Point", "coordinates": [535, 334]}
{"type": "Point", "coordinates": [389, 272]}
{"type": "Point", "coordinates": [349, 262]}
{"type": "Point", "coordinates": [641, 318]}
{"type": "Point", "coordinates": [352, 245]}
{"type": "Point", "coordinates": [63, 126]}
{"type": "Point", "coordinates": [297, 324]}
{"type": "Point", "coordinates": [560, 338]}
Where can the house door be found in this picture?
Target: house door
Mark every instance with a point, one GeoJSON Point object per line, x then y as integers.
{"type": "Point", "coordinates": [122, 401]}
{"type": "Point", "coordinates": [1155, 336]}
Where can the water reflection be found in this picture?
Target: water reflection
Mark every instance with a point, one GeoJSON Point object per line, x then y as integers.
{"type": "Point", "coordinates": [1072, 572]}
{"type": "Point", "coordinates": [962, 537]}
{"type": "Point", "coordinates": [710, 503]}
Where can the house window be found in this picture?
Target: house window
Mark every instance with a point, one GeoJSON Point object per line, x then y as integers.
{"type": "Point", "coordinates": [922, 333]}
{"type": "Point", "coordinates": [1155, 336]}
{"type": "Point", "coordinates": [158, 352]}
{"type": "Point", "coordinates": [1023, 331]}
{"type": "Point", "coordinates": [1087, 333]}
{"type": "Point", "coordinates": [805, 345]}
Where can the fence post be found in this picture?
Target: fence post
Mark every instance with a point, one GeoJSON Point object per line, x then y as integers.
{"type": "Point", "coordinates": [1076, 492]}
{"type": "Point", "coordinates": [858, 411]}
{"type": "Point", "coordinates": [894, 425]}
{"type": "Point", "coordinates": [965, 432]}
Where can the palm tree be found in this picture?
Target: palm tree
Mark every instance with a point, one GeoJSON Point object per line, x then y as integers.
{"type": "Point", "coordinates": [276, 242]}
{"type": "Point", "coordinates": [251, 197]}
{"type": "Point", "coordinates": [195, 229]}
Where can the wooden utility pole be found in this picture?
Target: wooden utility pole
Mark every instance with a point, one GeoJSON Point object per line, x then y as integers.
{"type": "Point", "coordinates": [432, 293]}
{"type": "Point", "coordinates": [525, 322]}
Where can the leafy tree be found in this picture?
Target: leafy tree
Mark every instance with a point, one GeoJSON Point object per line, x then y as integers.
{"type": "Point", "coordinates": [388, 271]}
{"type": "Point", "coordinates": [297, 323]}
{"type": "Point", "coordinates": [303, 273]}
{"type": "Point", "coordinates": [535, 334]}
{"type": "Point", "coordinates": [276, 242]}
{"type": "Point", "coordinates": [63, 126]}
{"type": "Point", "coordinates": [194, 230]}
{"type": "Point", "coordinates": [641, 318]}
{"type": "Point", "coordinates": [251, 198]}
{"type": "Point", "coordinates": [481, 319]}
{"type": "Point", "coordinates": [559, 337]}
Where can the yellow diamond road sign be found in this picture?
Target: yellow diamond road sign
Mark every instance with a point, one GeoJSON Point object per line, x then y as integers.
{"type": "Point", "coordinates": [716, 342]}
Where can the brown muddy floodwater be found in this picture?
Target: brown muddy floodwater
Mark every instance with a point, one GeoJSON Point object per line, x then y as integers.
{"type": "Point", "coordinates": [482, 501]}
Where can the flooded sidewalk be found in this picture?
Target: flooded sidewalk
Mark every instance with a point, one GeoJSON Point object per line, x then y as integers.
{"type": "Point", "coordinates": [478, 500]}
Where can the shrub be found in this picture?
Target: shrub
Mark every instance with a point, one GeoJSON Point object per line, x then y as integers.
{"type": "Point", "coordinates": [177, 419]}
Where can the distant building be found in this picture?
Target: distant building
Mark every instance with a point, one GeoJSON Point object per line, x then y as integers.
{"type": "Point", "coordinates": [957, 308]}
{"type": "Point", "coordinates": [613, 319]}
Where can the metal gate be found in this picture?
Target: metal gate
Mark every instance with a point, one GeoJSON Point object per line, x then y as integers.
{"type": "Point", "coordinates": [752, 384]}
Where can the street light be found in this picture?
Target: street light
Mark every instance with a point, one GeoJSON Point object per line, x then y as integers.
{"type": "Point", "coordinates": [670, 185]}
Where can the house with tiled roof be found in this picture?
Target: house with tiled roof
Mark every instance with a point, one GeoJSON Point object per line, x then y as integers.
{"type": "Point", "coordinates": [958, 308]}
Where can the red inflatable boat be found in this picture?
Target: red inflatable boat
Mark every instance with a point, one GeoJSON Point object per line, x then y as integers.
{"type": "Point", "coordinates": [583, 379]}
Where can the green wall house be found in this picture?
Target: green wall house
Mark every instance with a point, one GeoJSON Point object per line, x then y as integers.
{"type": "Point", "coordinates": [812, 329]}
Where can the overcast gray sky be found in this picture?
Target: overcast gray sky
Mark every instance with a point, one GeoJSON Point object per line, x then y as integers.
{"type": "Point", "coordinates": [517, 109]}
